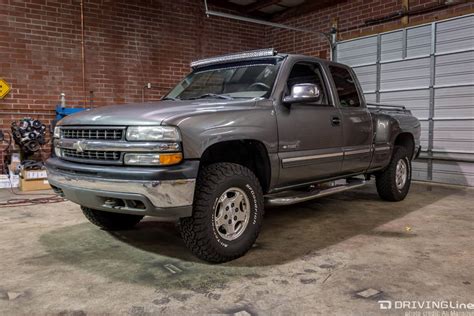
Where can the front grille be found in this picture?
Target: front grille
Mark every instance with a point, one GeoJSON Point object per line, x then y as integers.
{"type": "Point", "coordinates": [92, 155]}
{"type": "Point", "coordinates": [92, 133]}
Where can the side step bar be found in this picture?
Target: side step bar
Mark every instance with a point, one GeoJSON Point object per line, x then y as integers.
{"type": "Point", "coordinates": [293, 197]}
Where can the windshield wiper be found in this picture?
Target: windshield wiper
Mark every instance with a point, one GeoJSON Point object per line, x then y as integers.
{"type": "Point", "coordinates": [212, 95]}
{"type": "Point", "coordinates": [169, 98]}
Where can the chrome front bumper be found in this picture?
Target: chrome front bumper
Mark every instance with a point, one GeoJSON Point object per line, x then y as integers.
{"type": "Point", "coordinates": [163, 198]}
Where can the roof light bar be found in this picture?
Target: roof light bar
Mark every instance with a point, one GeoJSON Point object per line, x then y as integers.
{"type": "Point", "coordinates": [234, 57]}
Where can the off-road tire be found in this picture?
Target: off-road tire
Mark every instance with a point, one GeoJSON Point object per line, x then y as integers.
{"type": "Point", "coordinates": [109, 220]}
{"type": "Point", "coordinates": [199, 232]}
{"type": "Point", "coordinates": [386, 179]}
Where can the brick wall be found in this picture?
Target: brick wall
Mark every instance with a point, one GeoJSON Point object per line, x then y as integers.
{"type": "Point", "coordinates": [128, 43]}
{"type": "Point", "coordinates": [350, 15]}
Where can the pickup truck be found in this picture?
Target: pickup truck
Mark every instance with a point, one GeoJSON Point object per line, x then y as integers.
{"type": "Point", "coordinates": [240, 132]}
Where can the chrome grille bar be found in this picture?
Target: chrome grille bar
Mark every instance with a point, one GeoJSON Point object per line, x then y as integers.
{"type": "Point", "coordinates": [105, 133]}
{"type": "Point", "coordinates": [92, 155]}
{"type": "Point", "coordinates": [93, 145]}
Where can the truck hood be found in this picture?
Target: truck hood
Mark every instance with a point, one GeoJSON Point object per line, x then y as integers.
{"type": "Point", "coordinates": [151, 113]}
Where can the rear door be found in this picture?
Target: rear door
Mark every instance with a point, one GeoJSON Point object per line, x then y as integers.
{"type": "Point", "coordinates": [356, 120]}
{"type": "Point", "coordinates": [310, 133]}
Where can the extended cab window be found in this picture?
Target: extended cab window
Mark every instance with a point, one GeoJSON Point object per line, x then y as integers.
{"type": "Point", "coordinates": [304, 72]}
{"type": "Point", "coordinates": [345, 85]}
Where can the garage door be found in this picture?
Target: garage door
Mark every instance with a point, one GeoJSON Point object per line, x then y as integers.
{"type": "Point", "coordinates": [430, 69]}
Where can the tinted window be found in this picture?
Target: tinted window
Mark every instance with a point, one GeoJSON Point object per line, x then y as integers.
{"type": "Point", "coordinates": [346, 88]}
{"type": "Point", "coordinates": [307, 73]}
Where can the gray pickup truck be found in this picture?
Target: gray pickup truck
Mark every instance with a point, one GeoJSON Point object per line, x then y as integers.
{"type": "Point", "coordinates": [239, 133]}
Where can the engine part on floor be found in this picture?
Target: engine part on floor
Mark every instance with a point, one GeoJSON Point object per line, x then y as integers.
{"type": "Point", "coordinates": [7, 156]}
{"type": "Point", "coordinates": [31, 165]}
{"type": "Point", "coordinates": [29, 134]}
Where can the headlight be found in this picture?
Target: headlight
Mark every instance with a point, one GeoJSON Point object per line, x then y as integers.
{"type": "Point", "coordinates": [57, 132]}
{"type": "Point", "coordinates": [153, 159]}
{"type": "Point", "coordinates": [57, 152]}
{"type": "Point", "coordinates": [153, 133]}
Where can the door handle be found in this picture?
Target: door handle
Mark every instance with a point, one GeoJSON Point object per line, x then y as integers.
{"type": "Point", "coordinates": [335, 121]}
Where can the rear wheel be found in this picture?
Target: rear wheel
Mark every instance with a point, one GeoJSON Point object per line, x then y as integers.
{"type": "Point", "coordinates": [394, 182]}
{"type": "Point", "coordinates": [109, 220]}
{"type": "Point", "coordinates": [227, 214]}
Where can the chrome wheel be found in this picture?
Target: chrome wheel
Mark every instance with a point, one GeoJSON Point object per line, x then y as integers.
{"type": "Point", "coordinates": [401, 174]}
{"type": "Point", "coordinates": [232, 213]}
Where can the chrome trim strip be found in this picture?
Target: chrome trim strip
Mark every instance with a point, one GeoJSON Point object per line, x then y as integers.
{"type": "Point", "coordinates": [302, 158]}
{"type": "Point", "coordinates": [382, 148]}
{"type": "Point", "coordinates": [86, 144]}
{"type": "Point", "coordinates": [162, 194]}
{"type": "Point", "coordinates": [356, 152]}
{"type": "Point", "coordinates": [345, 153]}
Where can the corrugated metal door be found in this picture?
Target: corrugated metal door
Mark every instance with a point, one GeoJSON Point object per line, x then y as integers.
{"type": "Point", "coordinates": [430, 69]}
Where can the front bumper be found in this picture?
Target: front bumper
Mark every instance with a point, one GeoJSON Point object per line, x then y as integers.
{"type": "Point", "coordinates": [162, 192]}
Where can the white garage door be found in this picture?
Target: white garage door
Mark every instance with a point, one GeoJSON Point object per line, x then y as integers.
{"type": "Point", "coordinates": [430, 69]}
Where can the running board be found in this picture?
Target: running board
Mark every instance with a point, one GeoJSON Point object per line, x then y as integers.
{"type": "Point", "coordinates": [293, 197]}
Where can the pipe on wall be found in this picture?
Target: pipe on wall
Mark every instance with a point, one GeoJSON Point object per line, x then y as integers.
{"type": "Point", "coordinates": [83, 55]}
{"type": "Point", "coordinates": [405, 13]}
{"type": "Point", "coordinates": [327, 36]}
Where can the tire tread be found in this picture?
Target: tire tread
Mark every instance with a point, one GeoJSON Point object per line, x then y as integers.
{"type": "Point", "coordinates": [385, 183]}
{"type": "Point", "coordinates": [194, 230]}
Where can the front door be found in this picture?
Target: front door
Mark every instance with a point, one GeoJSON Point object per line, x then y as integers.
{"type": "Point", "coordinates": [310, 133]}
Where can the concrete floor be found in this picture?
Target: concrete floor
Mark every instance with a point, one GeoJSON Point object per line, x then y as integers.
{"type": "Point", "coordinates": [309, 259]}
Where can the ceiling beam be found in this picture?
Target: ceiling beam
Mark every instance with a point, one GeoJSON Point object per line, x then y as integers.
{"type": "Point", "coordinates": [260, 5]}
{"type": "Point", "coordinates": [306, 7]}
{"type": "Point", "coordinates": [224, 4]}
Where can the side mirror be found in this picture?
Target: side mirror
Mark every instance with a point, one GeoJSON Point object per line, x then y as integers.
{"type": "Point", "coordinates": [303, 92]}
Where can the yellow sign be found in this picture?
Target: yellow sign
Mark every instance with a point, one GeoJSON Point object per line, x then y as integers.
{"type": "Point", "coordinates": [4, 88]}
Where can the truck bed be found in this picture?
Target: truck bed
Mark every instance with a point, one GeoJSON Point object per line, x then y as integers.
{"type": "Point", "coordinates": [383, 107]}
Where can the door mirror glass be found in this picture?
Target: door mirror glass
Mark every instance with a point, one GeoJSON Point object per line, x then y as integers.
{"type": "Point", "coordinates": [303, 92]}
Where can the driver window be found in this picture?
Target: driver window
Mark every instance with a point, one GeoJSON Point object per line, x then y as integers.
{"type": "Point", "coordinates": [304, 72]}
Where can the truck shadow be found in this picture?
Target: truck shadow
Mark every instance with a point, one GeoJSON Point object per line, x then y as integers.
{"type": "Point", "coordinates": [153, 254]}
{"type": "Point", "coordinates": [292, 232]}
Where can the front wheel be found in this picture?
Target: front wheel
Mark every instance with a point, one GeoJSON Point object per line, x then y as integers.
{"type": "Point", "coordinates": [227, 214]}
{"type": "Point", "coordinates": [394, 182]}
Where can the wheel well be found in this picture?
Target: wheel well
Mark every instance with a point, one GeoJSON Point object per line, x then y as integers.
{"type": "Point", "coordinates": [249, 153]}
{"type": "Point", "coordinates": [406, 140]}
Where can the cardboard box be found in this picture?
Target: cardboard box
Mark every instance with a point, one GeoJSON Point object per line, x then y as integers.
{"type": "Point", "coordinates": [32, 180]}
{"type": "Point", "coordinates": [34, 174]}
{"type": "Point", "coordinates": [33, 185]}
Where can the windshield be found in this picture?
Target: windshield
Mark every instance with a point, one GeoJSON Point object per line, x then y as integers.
{"type": "Point", "coordinates": [228, 82]}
